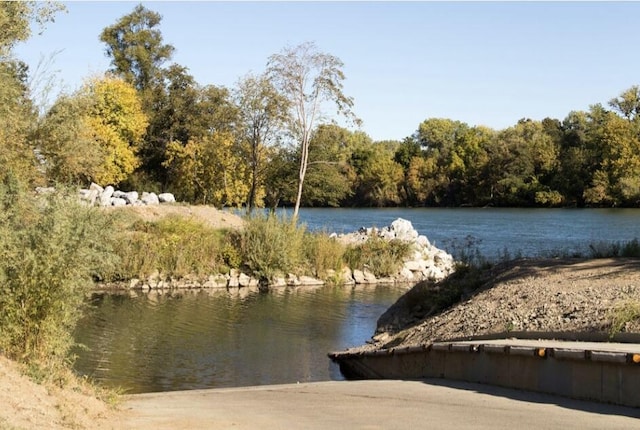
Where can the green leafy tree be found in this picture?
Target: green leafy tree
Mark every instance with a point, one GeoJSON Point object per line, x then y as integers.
{"type": "Point", "coordinates": [136, 48]}
{"type": "Point", "coordinates": [262, 112]}
{"type": "Point", "coordinates": [67, 144]}
{"type": "Point", "coordinates": [308, 79]}
{"type": "Point", "coordinates": [329, 176]}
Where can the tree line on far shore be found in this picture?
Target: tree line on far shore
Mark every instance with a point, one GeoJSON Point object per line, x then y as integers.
{"type": "Point", "coordinates": [146, 124]}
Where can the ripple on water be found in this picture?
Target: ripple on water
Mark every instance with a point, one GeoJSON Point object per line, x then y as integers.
{"type": "Point", "coordinates": [192, 339]}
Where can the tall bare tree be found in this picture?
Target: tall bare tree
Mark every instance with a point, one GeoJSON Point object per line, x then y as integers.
{"type": "Point", "coordinates": [309, 80]}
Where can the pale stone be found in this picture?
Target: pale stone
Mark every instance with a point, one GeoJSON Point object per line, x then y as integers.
{"type": "Point", "coordinates": [95, 187]}
{"type": "Point", "coordinates": [413, 266]}
{"type": "Point", "coordinates": [105, 197]}
{"type": "Point", "coordinates": [131, 197]}
{"type": "Point", "coordinates": [149, 198]}
{"type": "Point", "coordinates": [118, 201]}
{"type": "Point", "coordinates": [369, 277]}
{"type": "Point", "coordinates": [292, 280]}
{"type": "Point", "coordinates": [243, 280]}
{"type": "Point", "coordinates": [234, 282]}
{"type": "Point", "coordinates": [358, 276]}
{"type": "Point", "coordinates": [309, 281]}
{"type": "Point", "coordinates": [166, 198]}
{"type": "Point", "coordinates": [278, 281]}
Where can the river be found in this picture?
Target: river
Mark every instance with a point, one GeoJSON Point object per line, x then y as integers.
{"type": "Point", "coordinates": [212, 339]}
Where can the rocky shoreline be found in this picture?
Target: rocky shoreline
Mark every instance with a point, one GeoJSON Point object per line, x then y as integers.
{"type": "Point", "coordinates": [425, 263]}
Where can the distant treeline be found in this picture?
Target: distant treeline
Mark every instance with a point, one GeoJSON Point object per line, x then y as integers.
{"type": "Point", "coordinates": [146, 124]}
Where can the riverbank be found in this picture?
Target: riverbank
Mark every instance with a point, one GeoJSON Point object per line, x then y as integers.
{"type": "Point", "coordinates": [572, 299]}
{"type": "Point", "coordinates": [546, 295]}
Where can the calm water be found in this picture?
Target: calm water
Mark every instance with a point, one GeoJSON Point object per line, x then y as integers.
{"type": "Point", "coordinates": [207, 339]}
{"type": "Point", "coordinates": [528, 232]}
{"type": "Point", "coordinates": [212, 339]}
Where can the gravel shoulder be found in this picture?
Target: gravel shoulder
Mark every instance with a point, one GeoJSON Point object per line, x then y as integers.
{"type": "Point", "coordinates": [572, 299]}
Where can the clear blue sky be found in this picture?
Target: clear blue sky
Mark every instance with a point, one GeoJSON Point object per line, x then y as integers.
{"type": "Point", "coordinates": [481, 63]}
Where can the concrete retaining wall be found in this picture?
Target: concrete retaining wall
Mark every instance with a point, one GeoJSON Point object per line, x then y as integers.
{"type": "Point", "coordinates": [610, 376]}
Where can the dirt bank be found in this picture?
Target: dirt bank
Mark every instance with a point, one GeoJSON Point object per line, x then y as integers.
{"type": "Point", "coordinates": [561, 297]}
{"type": "Point", "coordinates": [207, 215]}
{"type": "Point", "coordinates": [27, 405]}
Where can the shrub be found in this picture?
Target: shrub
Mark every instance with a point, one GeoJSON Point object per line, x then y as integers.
{"type": "Point", "coordinates": [271, 245]}
{"type": "Point", "coordinates": [615, 249]}
{"type": "Point", "coordinates": [381, 257]}
{"type": "Point", "coordinates": [173, 246]}
{"type": "Point", "coordinates": [49, 249]}
{"type": "Point", "coordinates": [323, 254]}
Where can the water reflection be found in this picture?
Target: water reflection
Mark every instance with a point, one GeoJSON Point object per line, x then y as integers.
{"type": "Point", "coordinates": [163, 341]}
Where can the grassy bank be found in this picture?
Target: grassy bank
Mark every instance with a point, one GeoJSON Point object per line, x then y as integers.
{"type": "Point", "coordinates": [265, 247]}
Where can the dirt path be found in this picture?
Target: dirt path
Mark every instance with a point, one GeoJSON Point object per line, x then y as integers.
{"type": "Point", "coordinates": [208, 215]}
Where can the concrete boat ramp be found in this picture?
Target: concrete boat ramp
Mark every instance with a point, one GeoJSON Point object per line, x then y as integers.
{"type": "Point", "coordinates": [426, 387]}
{"type": "Point", "coordinates": [375, 404]}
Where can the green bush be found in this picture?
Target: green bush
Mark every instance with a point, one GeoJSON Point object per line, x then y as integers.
{"type": "Point", "coordinates": [381, 257]}
{"type": "Point", "coordinates": [271, 245]}
{"type": "Point", "coordinates": [50, 247]}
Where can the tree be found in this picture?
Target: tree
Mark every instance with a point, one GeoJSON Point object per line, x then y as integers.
{"type": "Point", "coordinates": [15, 19]}
{"type": "Point", "coordinates": [330, 177]}
{"type": "Point", "coordinates": [71, 153]}
{"type": "Point", "coordinates": [628, 103]}
{"type": "Point", "coordinates": [18, 114]}
{"type": "Point", "coordinates": [208, 170]}
{"type": "Point", "coordinates": [262, 111]}
{"type": "Point", "coordinates": [118, 124]}
{"type": "Point", "coordinates": [135, 47]}
{"type": "Point", "coordinates": [307, 78]}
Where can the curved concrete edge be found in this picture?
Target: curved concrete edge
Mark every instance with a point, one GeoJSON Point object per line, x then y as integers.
{"type": "Point", "coordinates": [603, 372]}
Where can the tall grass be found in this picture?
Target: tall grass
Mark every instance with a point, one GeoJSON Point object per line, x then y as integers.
{"type": "Point", "coordinates": [381, 257]}
{"type": "Point", "coordinates": [50, 247]}
{"type": "Point", "coordinates": [172, 246]}
{"type": "Point", "coordinates": [271, 245]}
{"type": "Point", "coordinates": [323, 254]}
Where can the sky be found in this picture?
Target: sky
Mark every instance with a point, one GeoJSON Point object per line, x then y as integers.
{"type": "Point", "coordinates": [482, 63]}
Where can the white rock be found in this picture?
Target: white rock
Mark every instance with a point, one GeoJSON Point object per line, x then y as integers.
{"type": "Point", "coordinates": [149, 198]}
{"type": "Point", "coordinates": [243, 280]}
{"type": "Point", "coordinates": [404, 230]}
{"type": "Point", "coordinates": [131, 197]}
{"type": "Point", "coordinates": [96, 187]}
{"type": "Point", "coordinates": [166, 198]}
{"type": "Point", "coordinates": [309, 281]}
{"type": "Point", "coordinates": [105, 197]}
{"type": "Point", "coordinates": [115, 201]}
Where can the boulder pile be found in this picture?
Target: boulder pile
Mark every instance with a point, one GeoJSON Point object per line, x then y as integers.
{"type": "Point", "coordinates": [108, 196]}
{"type": "Point", "coordinates": [426, 262]}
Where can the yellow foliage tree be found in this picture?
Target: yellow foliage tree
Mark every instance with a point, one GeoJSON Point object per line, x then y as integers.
{"type": "Point", "coordinates": [118, 123]}
{"type": "Point", "coordinates": [208, 170]}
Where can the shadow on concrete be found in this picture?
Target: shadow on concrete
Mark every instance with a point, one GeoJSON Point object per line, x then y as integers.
{"type": "Point", "coordinates": [534, 397]}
